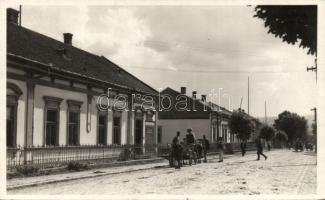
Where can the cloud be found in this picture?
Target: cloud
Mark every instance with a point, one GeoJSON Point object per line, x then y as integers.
{"type": "Point", "coordinates": [200, 47]}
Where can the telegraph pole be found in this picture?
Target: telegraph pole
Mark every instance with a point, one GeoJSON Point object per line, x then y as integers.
{"type": "Point", "coordinates": [315, 121]}
{"type": "Point", "coordinates": [313, 68]}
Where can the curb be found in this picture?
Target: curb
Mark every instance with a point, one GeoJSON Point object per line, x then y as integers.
{"type": "Point", "coordinates": [88, 175]}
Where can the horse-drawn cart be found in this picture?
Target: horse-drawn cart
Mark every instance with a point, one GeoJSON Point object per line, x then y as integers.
{"type": "Point", "coordinates": [186, 154]}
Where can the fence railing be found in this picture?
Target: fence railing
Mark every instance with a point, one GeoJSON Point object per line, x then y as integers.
{"type": "Point", "coordinates": [45, 157]}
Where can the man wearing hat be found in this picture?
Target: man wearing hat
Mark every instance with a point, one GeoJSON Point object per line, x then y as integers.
{"type": "Point", "coordinates": [176, 150]}
{"type": "Point", "coordinates": [190, 139]}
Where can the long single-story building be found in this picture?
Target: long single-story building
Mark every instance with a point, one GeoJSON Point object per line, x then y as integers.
{"type": "Point", "coordinates": [58, 94]}
{"type": "Point", "coordinates": [181, 112]}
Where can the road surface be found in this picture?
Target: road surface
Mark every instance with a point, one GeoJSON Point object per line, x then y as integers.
{"type": "Point", "coordinates": [284, 172]}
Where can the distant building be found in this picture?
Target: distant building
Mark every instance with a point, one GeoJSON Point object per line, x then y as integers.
{"type": "Point", "coordinates": [52, 92]}
{"type": "Point", "coordinates": [204, 118]}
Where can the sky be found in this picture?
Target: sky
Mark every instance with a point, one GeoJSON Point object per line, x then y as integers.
{"type": "Point", "coordinates": [203, 48]}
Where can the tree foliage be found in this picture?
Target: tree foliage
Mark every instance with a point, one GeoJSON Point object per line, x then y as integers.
{"type": "Point", "coordinates": [241, 124]}
{"type": "Point", "coordinates": [281, 136]}
{"type": "Point", "coordinates": [292, 124]}
{"type": "Point", "coordinates": [291, 23]}
{"type": "Point", "coordinates": [267, 133]}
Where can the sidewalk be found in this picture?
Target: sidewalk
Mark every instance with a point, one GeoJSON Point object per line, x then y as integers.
{"type": "Point", "coordinates": [16, 183]}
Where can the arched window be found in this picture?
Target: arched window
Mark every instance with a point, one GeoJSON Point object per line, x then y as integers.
{"type": "Point", "coordinates": [13, 94]}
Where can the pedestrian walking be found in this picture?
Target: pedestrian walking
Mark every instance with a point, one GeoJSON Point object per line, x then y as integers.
{"type": "Point", "coordinates": [206, 147]}
{"type": "Point", "coordinates": [259, 148]}
{"type": "Point", "coordinates": [243, 147]}
{"type": "Point", "coordinates": [176, 150]}
{"type": "Point", "coordinates": [220, 147]}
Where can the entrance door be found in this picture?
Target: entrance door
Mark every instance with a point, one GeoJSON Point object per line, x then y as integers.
{"type": "Point", "coordinates": [150, 139]}
{"type": "Point", "coordinates": [138, 132]}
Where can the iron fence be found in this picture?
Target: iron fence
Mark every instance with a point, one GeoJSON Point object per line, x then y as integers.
{"type": "Point", "coordinates": [46, 157]}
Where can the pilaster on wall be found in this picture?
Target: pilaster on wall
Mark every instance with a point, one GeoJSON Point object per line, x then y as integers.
{"type": "Point", "coordinates": [144, 130]}
{"type": "Point", "coordinates": [29, 110]}
{"type": "Point", "coordinates": [130, 129]}
{"type": "Point", "coordinates": [124, 128]}
{"type": "Point", "coordinates": [110, 127]}
{"type": "Point", "coordinates": [156, 128]}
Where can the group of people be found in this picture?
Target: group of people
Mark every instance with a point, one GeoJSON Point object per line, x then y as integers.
{"type": "Point", "coordinates": [191, 141]}
{"type": "Point", "coordinates": [259, 148]}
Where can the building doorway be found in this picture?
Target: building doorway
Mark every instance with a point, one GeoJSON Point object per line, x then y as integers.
{"type": "Point", "coordinates": [138, 132]}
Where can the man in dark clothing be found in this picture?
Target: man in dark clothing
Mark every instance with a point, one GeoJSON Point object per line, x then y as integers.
{"type": "Point", "coordinates": [190, 144]}
{"type": "Point", "coordinates": [176, 150]}
{"type": "Point", "coordinates": [220, 149]}
{"type": "Point", "coordinates": [243, 147]}
{"type": "Point", "coordinates": [206, 147]}
{"type": "Point", "coordinates": [259, 148]}
{"type": "Point", "coordinates": [190, 139]}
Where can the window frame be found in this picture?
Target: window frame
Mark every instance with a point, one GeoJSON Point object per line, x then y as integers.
{"type": "Point", "coordinates": [99, 114]}
{"type": "Point", "coordinates": [52, 103]}
{"type": "Point", "coordinates": [12, 101]}
{"type": "Point", "coordinates": [117, 114]}
{"type": "Point", "coordinates": [74, 106]}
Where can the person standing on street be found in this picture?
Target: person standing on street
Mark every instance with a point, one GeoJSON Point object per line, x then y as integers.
{"type": "Point", "coordinates": [176, 150]}
{"type": "Point", "coordinates": [190, 139]}
{"type": "Point", "coordinates": [220, 149]}
{"type": "Point", "coordinates": [243, 147]}
{"type": "Point", "coordinates": [259, 148]}
{"type": "Point", "coordinates": [206, 147]}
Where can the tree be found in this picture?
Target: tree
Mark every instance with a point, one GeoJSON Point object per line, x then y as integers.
{"type": "Point", "coordinates": [282, 137]}
{"type": "Point", "coordinates": [267, 133]}
{"type": "Point", "coordinates": [241, 124]}
{"type": "Point", "coordinates": [292, 124]}
{"type": "Point", "coordinates": [292, 24]}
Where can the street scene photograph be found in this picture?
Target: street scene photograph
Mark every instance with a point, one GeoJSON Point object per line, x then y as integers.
{"type": "Point", "coordinates": [161, 100]}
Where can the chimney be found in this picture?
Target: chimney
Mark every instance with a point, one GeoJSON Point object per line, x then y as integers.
{"type": "Point", "coordinates": [194, 94]}
{"type": "Point", "coordinates": [67, 38]}
{"type": "Point", "coordinates": [183, 90]}
{"type": "Point", "coordinates": [12, 15]}
{"type": "Point", "coordinates": [204, 97]}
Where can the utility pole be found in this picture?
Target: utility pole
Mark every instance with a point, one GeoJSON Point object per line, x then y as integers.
{"type": "Point", "coordinates": [248, 97]}
{"type": "Point", "coordinates": [315, 121]}
{"type": "Point", "coordinates": [313, 68]}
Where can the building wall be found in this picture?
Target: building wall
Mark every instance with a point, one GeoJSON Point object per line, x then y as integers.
{"type": "Point", "coordinates": [21, 108]}
{"type": "Point", "coordinates": [85, 136]}
{"type": "Point", "coordinates": [89, 136]}
{"type": "Point", "coordinates": [171, 126]}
